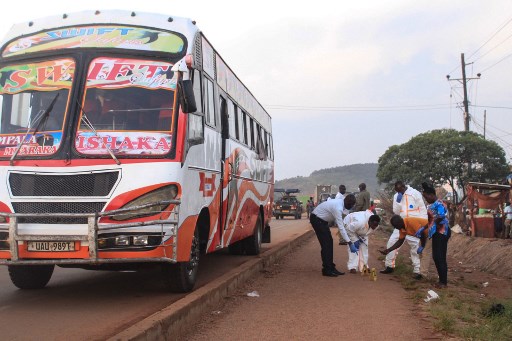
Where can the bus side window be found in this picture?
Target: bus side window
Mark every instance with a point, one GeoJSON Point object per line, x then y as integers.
{"type": "Point", "coordinates": [251, 129]}
{"type": "Point", "coordinates": [266, 144]}
{"type": "Point", "coordinates": [197, 90]}
{"type": "Point", "coordinates": [195, 128]}
{"type": "Point", "coordinates": [260, 146]}
{"type": "Point", "coordinates": [209, 103]}
{"type": "Point", "coordinates": [270, 146]}
{"type": "Point", "coordinates": [233, 129]}
{"type": "Point", "coordinates": [245, 128]}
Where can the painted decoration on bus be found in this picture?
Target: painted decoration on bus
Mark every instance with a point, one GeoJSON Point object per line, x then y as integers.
{"type": "Point", "coordinates": [44, 76]}
{"type": "Point", "coordinates": [38, 144]}
{"type": "Point", "coordinates": [119, 72]}
{"type": "Point", "coordinates": [98, 36]}
{"type": "Point", "coordinates": [123, 143]}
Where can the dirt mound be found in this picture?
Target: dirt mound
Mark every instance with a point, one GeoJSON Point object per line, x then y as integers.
{"type": "Point", "coordinates": [486, 254]}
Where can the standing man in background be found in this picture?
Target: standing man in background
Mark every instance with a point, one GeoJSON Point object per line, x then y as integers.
{"type": "Point", "coordinates": [341, 195]}
{"type": "Point", "coordinates": [363, 199]}
{"type": "Point", "coordinates": [329, 212]}
{"type": "Point", "coordinates": [310, 206]}
{"type": "Point", "coordinates": [407, 202]}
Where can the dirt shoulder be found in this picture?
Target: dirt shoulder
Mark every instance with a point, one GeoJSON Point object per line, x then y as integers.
{"type": "Point", "coordinates": [296, 302]}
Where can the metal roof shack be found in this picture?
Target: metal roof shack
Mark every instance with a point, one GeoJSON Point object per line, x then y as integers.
{"type": "Point", "coordinates": [486, 203]}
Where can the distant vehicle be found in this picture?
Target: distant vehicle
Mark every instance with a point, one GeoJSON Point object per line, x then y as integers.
{"type": "Point", "coordinates": [326, 196]}
{"type": "Point", "coordinates": [288, 204]}
{"type": "Point", "coordinates": [321, 190]}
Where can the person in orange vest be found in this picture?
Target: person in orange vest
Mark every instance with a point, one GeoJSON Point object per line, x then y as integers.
{"type": "Point", "coordinates": [408, 226]}
{"type": "Point", "coordinates": [407, 202]}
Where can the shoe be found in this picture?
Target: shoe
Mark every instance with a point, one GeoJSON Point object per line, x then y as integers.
{"type": "Point", "coordinates": [353, 271]}
{"type": "Point", "coordinates": [339, 273]}
{"type": "Point", "coordinates": [417, 276]}
{"type": "Point", "coordinates": [387, 270]}
{"type": "Point", "coordinates": [440, 285]}
{"type": "Point", "coordinates": [329, 273]}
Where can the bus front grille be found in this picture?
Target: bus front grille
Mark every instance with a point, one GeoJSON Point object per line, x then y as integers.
{"type": "Point", "coordinates": [95, 184]}
{"type": "Point", "coordinates": [56, 207]}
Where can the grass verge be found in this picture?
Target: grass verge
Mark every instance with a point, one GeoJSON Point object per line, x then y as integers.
{"type": "Point", "coordinates": [461, 311]}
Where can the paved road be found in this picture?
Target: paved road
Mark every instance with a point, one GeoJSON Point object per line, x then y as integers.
{"type": "Point", "coordinates": [91, 305]}
{"type": "Point", "coordinates": [297, 303]}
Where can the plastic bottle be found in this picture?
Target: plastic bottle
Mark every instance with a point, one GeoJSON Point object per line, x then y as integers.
{"type": "Point", "coordinates": [373, 275]}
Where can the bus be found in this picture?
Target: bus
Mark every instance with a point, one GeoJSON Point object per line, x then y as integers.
{"type": "Point", "coordinates": [126, 141]}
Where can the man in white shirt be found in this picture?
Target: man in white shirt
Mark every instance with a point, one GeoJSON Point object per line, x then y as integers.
{"type": "Point", "coordinates": [407, 202]}
{"type": "Point", "coordinates": [329, 212]}
{"type": "Point", "coordinates": [341, 193]}
{"type": "Point", "coordinates": [358, 226]}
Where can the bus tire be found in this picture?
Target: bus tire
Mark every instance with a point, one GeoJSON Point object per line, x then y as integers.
{"type": "Point", "coordinates": [182, 276]}
{"type": "Point", "coordinates": [236, 248]}
{"type": "Point", "coordinates": [30, 276]}
{"type": "Point", "coordinates": [252, 244]}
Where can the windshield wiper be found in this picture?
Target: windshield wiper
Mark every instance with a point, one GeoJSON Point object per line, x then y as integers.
{"type": "Point", "coordinates": [42, 116]}
{"type": "Point", "coordinates": [89, 125]}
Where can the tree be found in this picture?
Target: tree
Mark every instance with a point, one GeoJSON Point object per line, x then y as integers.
{"type": "Point", "coordinates": [444, 156]}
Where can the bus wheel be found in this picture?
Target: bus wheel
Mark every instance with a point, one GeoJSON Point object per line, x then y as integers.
{"type": "Point", "coordinates": [181, 277]}
{"type": "Point", "coordinates": [252, 244]}
{"type": "Point", "coordinates": [30, 276]}
{"type": "Point", "coordinates": [236, 248]}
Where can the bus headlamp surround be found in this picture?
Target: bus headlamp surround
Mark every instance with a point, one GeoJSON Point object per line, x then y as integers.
{"type": "Point", "coordinates": [161, 194]}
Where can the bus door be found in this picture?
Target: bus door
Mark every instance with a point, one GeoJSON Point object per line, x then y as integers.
{"type": "Point", "coordinates": [229, 188]}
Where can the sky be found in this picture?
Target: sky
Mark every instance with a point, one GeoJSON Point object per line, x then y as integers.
{"type": "Point", "coordinates": [345, 80]}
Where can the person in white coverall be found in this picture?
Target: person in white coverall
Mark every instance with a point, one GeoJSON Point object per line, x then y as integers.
{"type": "Point", "coordinates": [358, 226]}
{"type": "Point", "coordinates": [407, 202]}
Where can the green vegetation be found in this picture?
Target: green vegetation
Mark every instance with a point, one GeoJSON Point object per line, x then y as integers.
{"type": "Point", "coordinates": [351, 176]}
{"type": "Point", "coordinates": [444, 156]}
{"type": "Point", "coordinates": [460, 311]}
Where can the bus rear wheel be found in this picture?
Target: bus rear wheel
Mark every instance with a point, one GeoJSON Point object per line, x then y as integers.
{"type": "Point", "coordinates": [30, 276]}
{"type": "Point", "coordinates": [182, 276]}
{"type": "Point", "coordinates": [252, 245]}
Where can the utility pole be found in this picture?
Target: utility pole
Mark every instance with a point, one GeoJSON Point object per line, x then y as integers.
{"type": "Point", "coordinates": [464, 81]}
{"type": "Point", "coordinates": [464, 85]}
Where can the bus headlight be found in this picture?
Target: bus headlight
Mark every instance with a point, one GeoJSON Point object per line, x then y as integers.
{"type": "Point", "coordinates": [165, 193]}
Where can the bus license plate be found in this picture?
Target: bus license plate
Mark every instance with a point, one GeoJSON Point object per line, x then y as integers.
{"type": "Point", "coordinates": [286, 211]}
{"type": "Point", "coordinates": [51, 246]}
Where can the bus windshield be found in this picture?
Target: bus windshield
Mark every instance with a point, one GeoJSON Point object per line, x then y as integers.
{"type": "Point", "coordinates": [128, 107]}
{"type": "Point", "coordinates": [26, 91]}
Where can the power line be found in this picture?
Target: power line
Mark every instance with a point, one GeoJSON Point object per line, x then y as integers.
{"type": "Point", "coordinates": [492, 36]}
{"type": "Point", "coordinates": [499, 61]}
{"type": "Point", "coordinates": [498, 30]}
{"type": "Point", "coordinates": [358, 109]}
{"type": "Point", "coordinates": [490, 106]}
{"type": "Point", "coordinates": [496, 46]}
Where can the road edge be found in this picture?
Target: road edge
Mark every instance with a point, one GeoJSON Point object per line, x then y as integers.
{"type": "Point", "coordinates": [174, 320]}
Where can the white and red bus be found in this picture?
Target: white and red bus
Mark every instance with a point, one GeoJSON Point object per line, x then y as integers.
{"type": "Point", "coordinates": [126, 140]}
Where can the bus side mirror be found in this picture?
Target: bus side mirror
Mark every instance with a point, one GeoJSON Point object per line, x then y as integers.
{"type": "Point", "coordinates": [187, 99]}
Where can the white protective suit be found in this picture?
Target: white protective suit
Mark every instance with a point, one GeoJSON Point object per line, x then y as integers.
{"type": "Point", "coordinates": [356, 225]}
{"type": "Point", "coordinates": [411, 205]}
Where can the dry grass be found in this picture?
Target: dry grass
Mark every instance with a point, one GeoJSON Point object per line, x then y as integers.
{"type": "Point", "coordinates": [460, 311]}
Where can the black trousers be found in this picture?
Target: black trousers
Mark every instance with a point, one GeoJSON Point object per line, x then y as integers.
{"type": "Point", "coordinates": [439, 249]}
{"type": "Point", "coordinates": [323, 233]}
